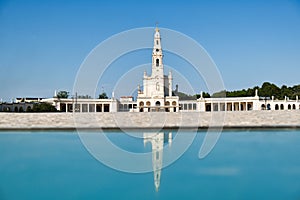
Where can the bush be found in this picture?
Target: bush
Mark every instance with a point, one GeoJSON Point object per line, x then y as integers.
{"type": "Point", "coordinates": [43, 107]}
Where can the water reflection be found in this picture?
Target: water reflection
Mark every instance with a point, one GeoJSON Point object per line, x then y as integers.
{"type": "Point", "coordinates": [157, 141]}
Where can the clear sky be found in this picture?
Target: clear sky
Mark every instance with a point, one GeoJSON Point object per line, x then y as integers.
{"type": "Point", "coordinates": [43, 43]}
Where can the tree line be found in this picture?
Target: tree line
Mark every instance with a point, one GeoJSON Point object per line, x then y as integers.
{"type": "Point", "coordinates": [266, 90]}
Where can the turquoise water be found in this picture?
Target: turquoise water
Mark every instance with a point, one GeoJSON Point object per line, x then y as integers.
{"type": "Point", "coordinates": [243, 165]}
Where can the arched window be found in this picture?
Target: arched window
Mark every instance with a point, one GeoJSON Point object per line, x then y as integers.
{"type": "Point", "coordinates": [294, 107]}
{"type": "Point", "coordinates": [263, 107]}
{"type": "Point", "coordinates": [268, 107]}
{"type": "Point", "coordinates": [141, 106]}
{"type": "Point", "coordinates": [289, 107]}
{"type": "Point", "coordinates": [157, 62]}
{"type": "Point", "coordinates": [157, 103]}
{"type": "Point", "coordinates": [281, 106]}
{"type": "Point", "coordinates": [276, 107]}
{"type": "Point", "coordinates": [156, 42]}
{"type": "Point", "coordinates": [28, 109]}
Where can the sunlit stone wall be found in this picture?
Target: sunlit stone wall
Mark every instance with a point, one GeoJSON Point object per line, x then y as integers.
{"type": "Point", "coordinates": [285, 118]}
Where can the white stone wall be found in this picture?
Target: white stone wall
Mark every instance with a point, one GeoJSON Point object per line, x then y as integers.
{"type": "Point", "coordinates": [256, 119]}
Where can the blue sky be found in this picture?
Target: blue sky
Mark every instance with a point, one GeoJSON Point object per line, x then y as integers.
{"type": "Point", "coordinates": [43, 43]}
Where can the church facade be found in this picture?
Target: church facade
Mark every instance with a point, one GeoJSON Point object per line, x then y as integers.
{"type": "Point", "coordinates": [157, 93]}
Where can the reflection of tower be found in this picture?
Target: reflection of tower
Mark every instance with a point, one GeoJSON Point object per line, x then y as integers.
{"type": "Point", "coordinates": [157, 141]}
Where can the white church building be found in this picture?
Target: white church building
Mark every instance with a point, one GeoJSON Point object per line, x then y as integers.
{"type": "Point", "coordinates": [157, 93]}
{"type": "Point", "coordinates": [157, 96]}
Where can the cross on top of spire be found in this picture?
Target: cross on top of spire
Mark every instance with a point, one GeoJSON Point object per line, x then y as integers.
{"type": "Point", "coordinates": [156, 26]}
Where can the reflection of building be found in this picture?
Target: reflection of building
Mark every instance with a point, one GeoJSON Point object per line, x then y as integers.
{"type": "Point", "coordinates": [157, 141]}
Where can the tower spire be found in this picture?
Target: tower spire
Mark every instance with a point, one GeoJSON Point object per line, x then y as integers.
{"type": "Point", "coordinates": [157, 54]}
{"type": "Point", "coordinates": [156, 26]}
{"type": "Point", "coordinates": [157, 65]}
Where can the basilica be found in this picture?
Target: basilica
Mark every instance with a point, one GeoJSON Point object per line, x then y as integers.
{"type": "Point", "coordinates": [157, 96]}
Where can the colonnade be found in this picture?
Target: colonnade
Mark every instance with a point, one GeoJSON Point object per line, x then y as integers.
{"type": "Point", "coordinates": [84, 107]}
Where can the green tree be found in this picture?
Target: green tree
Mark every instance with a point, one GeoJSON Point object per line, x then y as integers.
{"type": "Point", "coordinates": [295, 91]}
{"type": "Point", "coordinates": [103, 96]}
{"type": "Point", "coordinates": [43, 107]}
{"type": "Point", "coordinates": [269, 89]}
{"type": "Point", "coordinates": [205, 95]}
{"type": "Point", "coordinates": [62, 94]}
{"type": "Point", "coordinates": [219, 94]}
{"type": "Point", "coordinates": [183, 96]}
{"type": "Point", "coordinates": [285, 91]}
{"type": "Point", "coordinates": [266, 90]}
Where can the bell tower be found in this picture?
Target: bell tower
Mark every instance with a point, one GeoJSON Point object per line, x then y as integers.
{"type": "Point", "coordinates": [157, 65]}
